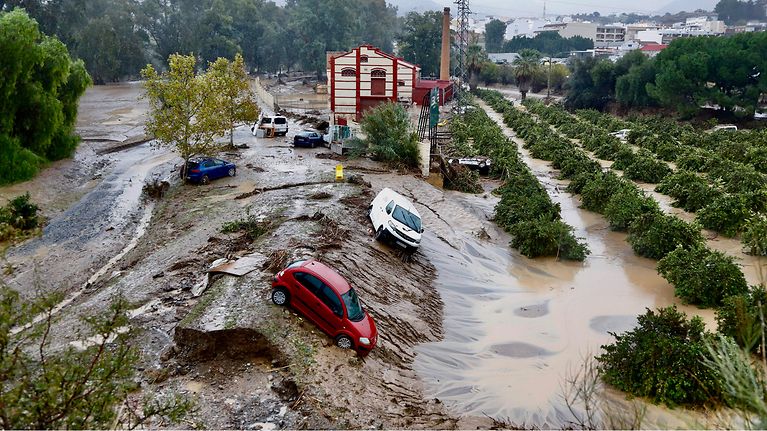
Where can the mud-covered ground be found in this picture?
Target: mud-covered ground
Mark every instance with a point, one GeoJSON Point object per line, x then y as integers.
{"type": "Point", "coordinates": [247, 363]}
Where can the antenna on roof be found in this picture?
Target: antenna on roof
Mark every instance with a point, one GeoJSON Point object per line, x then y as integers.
{"type": "Point", "coordinates": [544, 10]}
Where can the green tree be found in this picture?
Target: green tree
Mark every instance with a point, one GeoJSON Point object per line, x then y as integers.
{"type": "Point", "coordinates": [70, 387]}
{"type": "Point", "coordinates": [738, 12]}
{"type": "Point", "coordinates": [390, 137]}
{"type": "Point", "coordinates": [549, 43]}
{"type": "Point", "coordinates": [495, 30]}
{"type": "Point", "coordinates": [590, 84]}
{"type": "Point", "coordinates": [646, 361]}
{"type": "Point", "coordinates": [38, 97]}
{"type": "Point", "coordinates": [236, 99]}
{"type": "Point", "coordinates": [723, 71]}
{"type": "Point", "coordinates": [631, 89]}
{"type": "Point", "coordinates": [184, 109]}
{"type": "Point", "coordinates": [420, 41]}
{"type": "Point", "coordinates": [525, 68]}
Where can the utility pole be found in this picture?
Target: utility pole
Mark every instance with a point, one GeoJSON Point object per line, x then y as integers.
{"type": "Point", "coordinates": [548, 86]}
{"type": "Point", "coordinates": [463, 44]}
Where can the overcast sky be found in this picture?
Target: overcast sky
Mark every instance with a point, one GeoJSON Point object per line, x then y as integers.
{"type": "Point", "coordinates": [513, 8]}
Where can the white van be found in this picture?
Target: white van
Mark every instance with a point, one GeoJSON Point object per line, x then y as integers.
{"type": "Point", "coordinates": [276, 122]}
{"type": "Point", "coordinates": [395, 218]}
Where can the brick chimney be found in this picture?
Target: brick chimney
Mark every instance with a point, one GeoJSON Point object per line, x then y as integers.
{"type": "Point", "coordinates": [444, 58]}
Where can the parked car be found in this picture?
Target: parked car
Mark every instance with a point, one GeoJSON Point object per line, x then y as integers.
{"type": "Point", "coordinates": [203, 170]}
{"type": "Point", "coordinates": [308, 138]}
{"type": "Point", "coordinates": [622, 134]}
{"type": "Point", "coordinates": [480, 163]}
{"type": "Point", "coordinates": [321, 294]}
{"type": "Point", "coordinates": [726, 127]}
{"type": "Point", "coordinates": [395, 218]}
{"type": "Point", "coordinates": [276, 122]}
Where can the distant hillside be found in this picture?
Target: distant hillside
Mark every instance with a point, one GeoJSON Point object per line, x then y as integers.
{"type": "Point", "coordinates": [405, 6]}
{"type": "Point", "coordinates": [687, 6]}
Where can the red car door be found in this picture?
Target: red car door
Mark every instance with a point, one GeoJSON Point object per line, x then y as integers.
{"type": "Point", "coordinates": [331, 311]}
{"type": "Point", "coordinates": [307, 299]}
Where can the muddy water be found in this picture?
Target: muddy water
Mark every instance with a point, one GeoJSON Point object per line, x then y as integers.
{"type": "Point", "coordinates": [515, 327]}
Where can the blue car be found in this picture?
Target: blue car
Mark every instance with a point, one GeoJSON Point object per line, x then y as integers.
{"type": "Point", "coordinates": [308, 138]}
{"type": "Point", "coordinates": [203, 170]}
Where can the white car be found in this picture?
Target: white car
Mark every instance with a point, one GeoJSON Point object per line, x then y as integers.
{"type": "Point", "coordinates": [277, 123]}
{"type": "Point", "coordinates": [622, 134]}
{"type": "Point", "coordinates": [726, 127]}
{"type": "Point", "coordinates": [395, 218]}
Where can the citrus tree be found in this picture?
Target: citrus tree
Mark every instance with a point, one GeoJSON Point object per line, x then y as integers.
{"type": "Point", "coordinates": [236, 99]}
{"type": "Point", "coordinates": [184, 108]}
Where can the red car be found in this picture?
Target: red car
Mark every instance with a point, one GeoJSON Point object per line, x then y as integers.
{"type": "Point", "coordinates": [327, 299]}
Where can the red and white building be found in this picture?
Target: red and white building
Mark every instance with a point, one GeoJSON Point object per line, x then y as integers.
{"type": "Point", "coordinates": [365, 77]}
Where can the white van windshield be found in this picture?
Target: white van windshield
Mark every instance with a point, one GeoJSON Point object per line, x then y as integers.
{"type": "Point", "coordinates": [407, 218]}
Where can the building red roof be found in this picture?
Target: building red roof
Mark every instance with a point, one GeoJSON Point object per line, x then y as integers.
{"type": "Point", "coordinates": [650, 47]}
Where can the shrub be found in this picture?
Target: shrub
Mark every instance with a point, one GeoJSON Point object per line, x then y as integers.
{"type": "Point", "coordinates": [576, 163]}
{"type": "Point", "coordinates": [543, 237]}
{"type": "Point", "coordinates": [668, 150]}
{"type": "Point", "coordinates": [624, 157]}
{"type": "Point", "coordinates": [596, 192]}
{"type": "Point", "coordinates": [739, 317]}
{"type": "Point", "coordinates": [655, 235]}
{"type": "Point", "coordinates": [18, 219]}
{"type": "Point", "coordinates": [522, 201]}
{"type": "Point", "coordinates": [626, 205]}
{"type": "Point", "coordinates": [662, 359]}
{"type": "Point", "coordinates": [754, 237]}
{"type": "Point", "coordinates": [736, 177]}
{"type": "Point", "coordinates": [701, 276]}
{"type": "Point", "coordinates": [389, 136]}
{"type": "Point", "coordinates": [690, 191]}
{"type": "Point", "coordinates": [694, 159]}
{"type": "Point", "coordinates": [579, 182]}
{"type": "Point", "coordinates": [609, 150]}
{"type": "Point", "coordinates": [645, 167]}
{"type": "Point", "coordinates": [726, 214]}
{"type": "Point", "coordinates": [20, 213]}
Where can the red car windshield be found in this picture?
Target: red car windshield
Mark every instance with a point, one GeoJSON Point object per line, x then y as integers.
{"type": "Point", "coordinates": [353, 307]}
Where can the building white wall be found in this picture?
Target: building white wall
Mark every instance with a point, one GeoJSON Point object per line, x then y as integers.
{"type": "Point", "coordinates": [649, 36]}
{"type": "Point", "coordinates": [344, 89]}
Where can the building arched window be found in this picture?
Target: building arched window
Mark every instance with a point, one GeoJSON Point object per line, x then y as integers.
{"type": "Point", "coordinates": [348, 71]}
{"type": "Point", "coordinates": [378, 73]}
{"type": "Point", "coordinates": [363, 58]}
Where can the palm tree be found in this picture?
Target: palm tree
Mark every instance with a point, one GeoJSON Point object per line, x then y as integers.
{"type": "Point", "coordinates": [525, 68]}
{"type": "Point", "coordinates": [475, 57]}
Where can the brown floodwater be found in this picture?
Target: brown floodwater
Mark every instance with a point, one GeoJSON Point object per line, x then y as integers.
{"type": "Point", "coordinates": [516, 327]}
